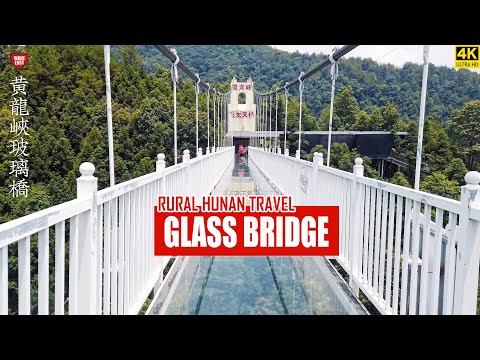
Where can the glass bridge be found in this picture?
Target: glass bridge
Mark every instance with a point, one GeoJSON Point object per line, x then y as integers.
{"type": "Point", "coordinates": [252, 285]}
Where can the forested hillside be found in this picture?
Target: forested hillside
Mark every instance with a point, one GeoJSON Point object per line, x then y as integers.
{"type": "Point", "coordinates": [66, 98]}
{"type": "Point", "coordinates": [372, 83]}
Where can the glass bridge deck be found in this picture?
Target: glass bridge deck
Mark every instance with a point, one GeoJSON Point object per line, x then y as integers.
{"type": "Point", "coordinates": [252, 285]}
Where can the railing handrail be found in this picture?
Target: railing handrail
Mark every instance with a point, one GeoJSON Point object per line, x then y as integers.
{"type": "Point", "coordinates": [330, 170]}
{"type": "Point", "coordinates": [24, 226]}
{"type": "Point", "coordinates": [417, 195]}
{"type": "Point", "coordinates": [109, 193]}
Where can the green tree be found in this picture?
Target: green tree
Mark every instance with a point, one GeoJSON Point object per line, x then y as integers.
{"type": "Point", "coordinates": [346, 109]}
{"type": "Point", "coordinates": [456, 170]}
{"type": "Point", "coordinates": [438, 184]}
{"type": "Point", "coordinates": [390, 115]}
{"type": "Point", "coordinates": [400, 179]}
{"type": "Point", "coordinates": [364, 122]}
{"type": "Point", "coordinates": [320, 149]}
{"type": "Point", "coordinates": [464, 131]}
{"type": "Point", "coordinates": [436, 150]}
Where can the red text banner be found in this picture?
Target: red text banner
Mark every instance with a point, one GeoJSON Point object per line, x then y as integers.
{"type": "Point", "coordinates": [241, 225]}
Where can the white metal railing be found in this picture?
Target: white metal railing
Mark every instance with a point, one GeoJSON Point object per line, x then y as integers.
{"type": "Point", "coordinates": [389, 234]}
{"type": "Point", "coordinates": [111, 266]}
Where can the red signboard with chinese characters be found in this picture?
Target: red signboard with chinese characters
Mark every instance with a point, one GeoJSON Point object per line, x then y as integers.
{"type": "Point", "coordinates": [242, 114]}
{"type": "Point", "coordinates": [241, 87]}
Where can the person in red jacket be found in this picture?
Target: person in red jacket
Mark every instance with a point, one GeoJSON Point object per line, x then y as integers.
{"type": "Point", "coordinates": [241, 150]}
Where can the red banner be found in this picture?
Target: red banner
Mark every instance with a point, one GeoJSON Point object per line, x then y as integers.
{"type": "Point", "coordinates": [226, 226]}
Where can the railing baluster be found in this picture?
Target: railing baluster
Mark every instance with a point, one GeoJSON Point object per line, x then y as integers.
{"type": "Point", "coordinates": [449, 265]}
{"type": "Point", "coordinates": [121, 254]}
{"type": "Point", "coordinates": [383, 242]}
{"type": "Point", "coordinates": [73, 267]}
{"type": "Point", "coordinates": [60, 268]}
{"type": "Point", "coordinates": [24, 276]}
{"type": "Point", "coordinates": [371, 237]}
{"type": "Point", "coordinates": [412, 307]}
{"type": "Point", "coordinates": [405, 257]}
{"type": "Point", "coordinates": [437, 257]}
{"type": "Point", "coordinates": [391, 222]}
{"type": "Point", "coordinates": [143, 236]}
{"type": "Point", "coordinates": [138, 242]}
{"type": "Point", "coordinates": [425, 260]}
{"type": "Point", "coordinates": [398, 251]}
{"type": "Point", "coordinates": [43, 272]}
{"type": "Point", "coordinates": [132, 243]}
{"type": "Point", "coordinates": [365, 235]}
{"type": "Point", "coordinates": [106, 257]}
{"type": "Point", "coordinates": [114, 258]}
{"type": "Point", "coordinates": [4, 280]}
{"type": "Point", "coordinates": [127, 241]}
{"type": "Point", "coordinates": [100, 277]}
{"type": "Point", "coordinates": [376, 261]}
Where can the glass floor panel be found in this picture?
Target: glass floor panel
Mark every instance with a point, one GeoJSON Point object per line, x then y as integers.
{"type": "Point", "coordinates": [252, 285]}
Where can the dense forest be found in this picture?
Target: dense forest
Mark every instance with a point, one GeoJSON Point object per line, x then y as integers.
{"type": "Point", "coordinates": [373, 84]}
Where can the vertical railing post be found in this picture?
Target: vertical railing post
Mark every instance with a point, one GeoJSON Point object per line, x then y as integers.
{"type": "Point", "coordinates": [87, 242]}
{"type": "Point", "coordinates": [316, 161]}
{"type": "Point", "coordinates": [279, 151]}
{"type": "Point", "coordinates": [186, 162]}
{"type": "Point", "coordinates": [287, 152]}
{"type": "Point", "coordinates": [355, 222]}
{"type": "Point", "coordinates": [160, 168]}
{"type": "Point", "coordinates": [186, 157]}
{"type": "Point", "coordinates": [160, 163]}
{"type": "Point", "coordinates": [199, 182]}
{"type": "Point", "coordinates": [468, 249]}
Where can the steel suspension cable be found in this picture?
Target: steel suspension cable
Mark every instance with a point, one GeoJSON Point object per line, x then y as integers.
{"type": "Point", "coordinates": [257, 116]}
{"type": "Point", "coordinates": [286, 118]}
{"type": "Point", "coordinates": [225, 121]}
{"type": "Point", "coordinates": [300, 89]}
{"type": "Point", "coordinates": [333, 75]}
{"type": "Point", "coordinates": [197, 91]}
{"type": "Point", "coordinates": [270, 143]}
{"type": "Point", "coordinates": [336, 55]}
{"type": "Point", "coordinates": [276, 121]}
{"type": "Point", "coordinates": [218, 120]}
{"type": "Point", "coordinates": [259, 134]}
{"type": "Point", "coordinates": [208, 117]}
{"type": "Point", "coordinates": [264, 121]}
{"type": "Point", "coordinates": [214, 116]}
{"type": "Point", "coordinates": [174, 80]}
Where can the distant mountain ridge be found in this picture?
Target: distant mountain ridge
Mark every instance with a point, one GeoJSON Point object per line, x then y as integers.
{"type": "Point", "coordinates": [372, 83]}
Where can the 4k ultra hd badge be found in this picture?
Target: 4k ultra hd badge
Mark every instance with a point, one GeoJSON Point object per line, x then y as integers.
{"type": "Point", "coordinates": [466, 56]}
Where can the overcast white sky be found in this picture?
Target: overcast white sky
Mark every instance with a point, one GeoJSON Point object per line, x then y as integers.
{"type": "Point", "coordinates": [392, 54]}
